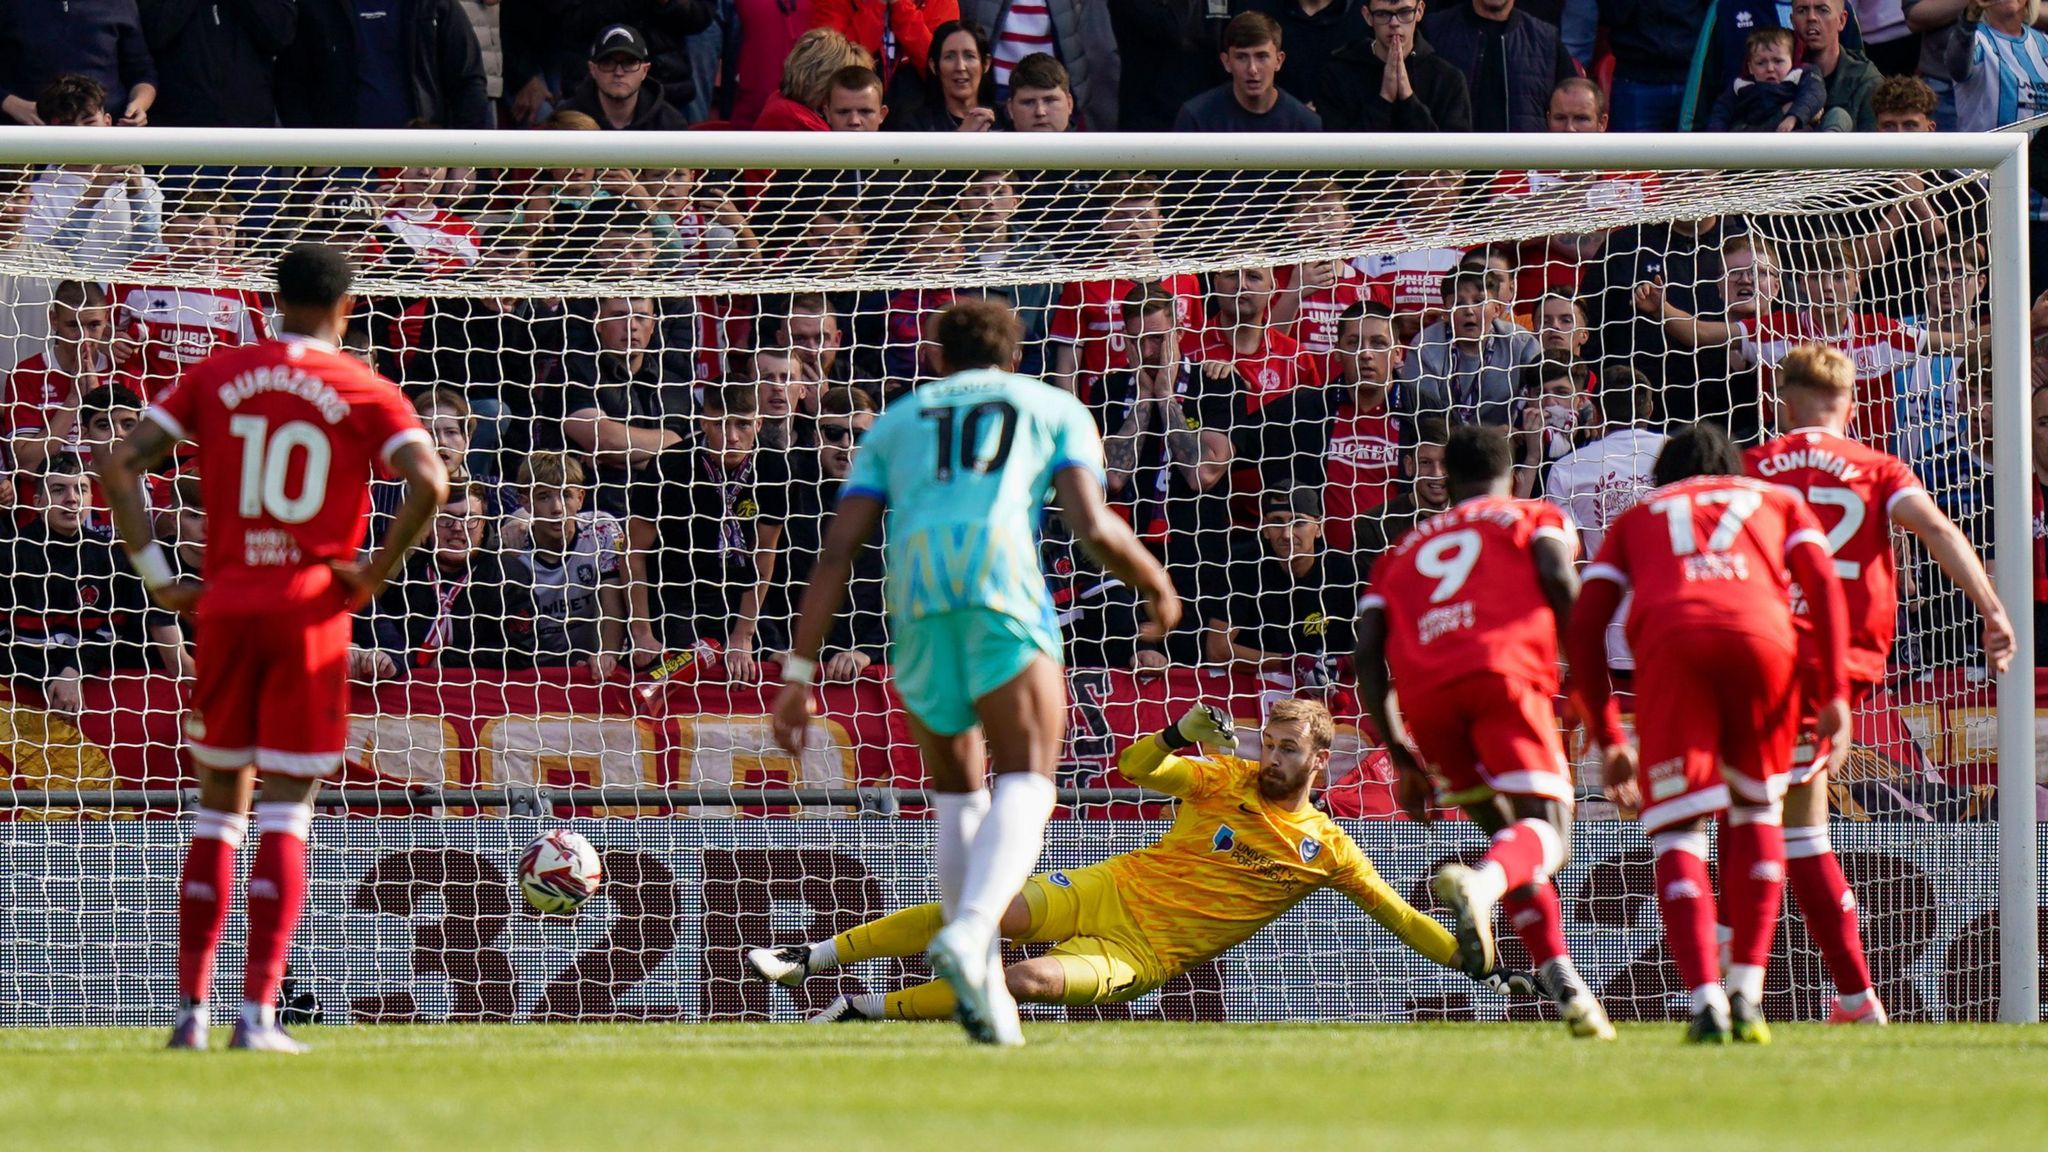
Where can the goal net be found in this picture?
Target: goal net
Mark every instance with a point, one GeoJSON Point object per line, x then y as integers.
{"type": "Point", "coordinates": [650, 379]}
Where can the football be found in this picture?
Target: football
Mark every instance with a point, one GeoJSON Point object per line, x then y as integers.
{"type": "Point", "coordinates": [559, 872]}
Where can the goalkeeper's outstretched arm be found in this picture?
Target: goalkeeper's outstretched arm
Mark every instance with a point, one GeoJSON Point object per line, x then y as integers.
{"type": "Point", "coordinates": [1366, 889]}
{"type": "Point", "coordinates": [1155, 761]}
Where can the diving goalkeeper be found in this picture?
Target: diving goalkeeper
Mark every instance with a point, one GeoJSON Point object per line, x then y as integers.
{"type": "Point", "coordinates": [1245, 847]}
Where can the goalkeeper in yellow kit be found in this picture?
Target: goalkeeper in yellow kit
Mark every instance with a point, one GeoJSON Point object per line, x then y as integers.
{"type": "Point", "coordinates": [1245, 847]}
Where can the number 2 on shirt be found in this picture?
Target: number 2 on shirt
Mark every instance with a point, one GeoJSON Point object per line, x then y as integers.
{"type": "Point", "coordinates": [954, 451]}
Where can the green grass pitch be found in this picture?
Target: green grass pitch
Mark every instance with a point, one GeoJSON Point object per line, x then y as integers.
{"type": "Point", "coordinates": [903, 1087]}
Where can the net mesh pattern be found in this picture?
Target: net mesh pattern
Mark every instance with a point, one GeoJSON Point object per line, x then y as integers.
{"type": "Point", "coordinates": [608, 321]}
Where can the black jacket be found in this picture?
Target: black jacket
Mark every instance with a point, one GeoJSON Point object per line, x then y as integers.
{"type": "Point", "coordinates": [1311, 40]}
{"type": "Point", "coordinates": [651, 112]}
{"type": "Point", "coordinates": [70, 604]}
{"type": "Point", "coordinates": [316, 76]}
{"type": "Point", "coordinates": [216, 60]}
{"type": "Point", "coordinates": [1653, 40]}
{"type": "Point", "coordinates": [1351, 93]}
{"type": "Point", "coordinates": [1177, 60]}
{"type": "Point", "coordinates": [1534, 60]}
{"type": "Point", "coordinates": [487, 627]}
{"type": "Point", "coordinates": [41, 40]}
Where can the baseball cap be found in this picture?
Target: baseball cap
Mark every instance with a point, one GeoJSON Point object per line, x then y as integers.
{"type": "Point", "coordinates": [1299, 502]}
{"type": "Point", "coordinates": [619, 40]}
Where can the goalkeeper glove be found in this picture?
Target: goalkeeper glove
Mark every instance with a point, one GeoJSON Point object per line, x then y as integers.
{"type": "Point", "coordinates": [1203, 724]}
{"type": "Point", "coordinates": [1509, 982]}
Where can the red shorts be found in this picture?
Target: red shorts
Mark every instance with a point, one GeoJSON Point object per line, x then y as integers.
{"type": "Point", "coordinates": [1487, 733]}
{"type": "Point", "coordinates": [272, 691]}
{"type": "Point", "coordinates": [1809, 752]}
{"type": "Point", "coordinates": [1708, 699]}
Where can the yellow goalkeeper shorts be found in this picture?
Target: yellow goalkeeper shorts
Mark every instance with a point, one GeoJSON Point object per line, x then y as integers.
{"type": "Point", "coordinates": [1104, 954]}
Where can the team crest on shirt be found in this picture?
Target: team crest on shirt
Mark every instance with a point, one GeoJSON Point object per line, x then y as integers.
{"type": "Point", "coordinates": [1059, 880]}
{"type": "Point", "coordinates": [1224, 840]}
{"type": "Point", "coordinates": [1310, 849]}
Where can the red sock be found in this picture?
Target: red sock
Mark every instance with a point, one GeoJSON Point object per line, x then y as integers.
{"type": "Point", "coordinates": [1685, 898]}
{"type": "Point", "coordinates": [1538, 919]}
{"type": "Point", "coordinates": [1828, 905]}
{"type": "Point", "coordinates": [1752, 887]}
{"type": "Point", "coordinates": [1518, 850]}
{"type": "Point", "coordinates": [277, 894]}
{"type": "Point", "coordinates": [203, 898]}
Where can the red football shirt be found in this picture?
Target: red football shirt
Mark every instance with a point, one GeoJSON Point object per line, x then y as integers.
{"type": "Point", "coordinates": [1361, 468]}
{"type": "Point", "coordinates": [1879, 346]}
{"type": "Point", "coordinates": [288, 432]}
{"type": "Point", "coordinates": [1461, 596]}
{"type": "Point", "coordinates": [1315, 323]}
{"type": "Point", "coordinates": [1851, 489]}
{"type": "Point", "coordinates": [1276, 367]}
{"type": "Point", "coordinates": [1089, 314]}
{"type": "Point", "coordinates": [1707, 552]}
{"type": "Point", "coordinates": [182, 326]}
{"type": "Point", "coordinates": [36, 388]}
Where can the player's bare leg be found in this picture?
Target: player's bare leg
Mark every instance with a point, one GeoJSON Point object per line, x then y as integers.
{"type": "Point", "coordinates": [1827, 903]}
{"type": "Point", "coordinates": [1023, 722]}
{"type": "Point", "coordinates": [1531, 841]}
{"type": "Point", "coordinates": [277, 898]}
{"type": "Point", "coordinates": [203, 891]}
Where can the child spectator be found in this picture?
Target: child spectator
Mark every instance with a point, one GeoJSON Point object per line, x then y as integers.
{"type": "Point", "coordinates": [806, 80]}
{"type": "Point", "coordinates": [1406, 275]}
{"type": "Point", "coordinates": [571, 569]}
{"type": "Point", "coordinates": [68, 604]}
{"type": "Point", "coordinates": [1464, 366]}
{"type": "Point", "coordinates": [1606, 476]}
{"type": "Point", "coordinates": [1771, 95]}
{"type": "Point", "coordinates": [1267, 359]}
{"type": "Point", "coordinates": [428, 237]}
{"type": "Point", "coordinates": [101, 216]}
{"type": "Point", "coordinates": [1041, 99]}
{"type": "Point", "coordinates": [180, 325]}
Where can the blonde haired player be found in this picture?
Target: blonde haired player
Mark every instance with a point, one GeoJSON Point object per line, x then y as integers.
{"type": "Point", "coordinates": [1245, 847]}
{"type": "Point", "coordinates": [1857, 493]}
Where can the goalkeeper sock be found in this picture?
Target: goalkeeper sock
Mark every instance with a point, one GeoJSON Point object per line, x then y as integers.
{"type": "Point", "coordinates": [904, 933]}
{"type": "Point", "coordinates": [277, 896]}
{"type": "Point", "coordinates": [1525, 852]}
{"type": "Point", "coordinates": [960, 815]}
{"type": "Point", "coordinates": [1752, 884]}
{"type": "Point", "coordinates": [931, 1001]}
{"type": "Point", "coordinates": [1829, 906]}
{"type": "Point", "coordinates": [203, 897]}
{"type": "Point", "coordinates": [1685, 898]}
{"type": "Point", "coordinates": [1537, 917]}
{"type": "Point", "coordinates": [1006, 850]}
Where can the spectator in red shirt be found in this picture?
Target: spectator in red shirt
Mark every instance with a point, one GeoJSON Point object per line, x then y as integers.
{"type": "Point", "coordinates": [765, 30]}
{"type": "Point", "coordinates": [179, 325]}
{"type": "Point", "coordinates": [807, 80]}
{"type": "Point", "coordinates": [872, 25]}
{"type": "Point", "coordinates": [43, 390]}
{"type": "Point", "coordinates": [1344, 439]}
{"type": "Point", "coordinates": [427, 235]}
{"type": "Point", "coordinates": [1241, 332]}
{"type": "Point", "coordinates": [1085, 332]}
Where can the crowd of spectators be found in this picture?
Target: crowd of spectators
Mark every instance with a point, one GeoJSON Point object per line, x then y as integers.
{"type": "Point", "coordinates": [638, 476]}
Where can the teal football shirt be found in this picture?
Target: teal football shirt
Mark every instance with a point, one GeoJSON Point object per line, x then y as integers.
{"type": "Point", "coordinates": [965, 465]}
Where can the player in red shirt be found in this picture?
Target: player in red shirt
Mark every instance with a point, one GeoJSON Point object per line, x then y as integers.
{"type": "Point", "coordinates": [287, 433]}
{"type": "Point", "coordinates": [1711, 556]}
{"type": "Point", "coordinates": [1468, 609]}
{"type": "Point", "coordinates": [1857, 493]}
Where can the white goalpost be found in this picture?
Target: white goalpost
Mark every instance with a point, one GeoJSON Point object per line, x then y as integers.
{"type": "Point", "coordinates": [608, 302]}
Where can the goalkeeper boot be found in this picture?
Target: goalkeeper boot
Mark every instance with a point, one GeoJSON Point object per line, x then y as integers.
{"type": "Point", "coordinates": [265, 1038]}
{"type": "Point", "coordinates": [1871, 1011]}
{"type": "Point", "coordinates": [1710, 1025]}
{"type": "Point", "coordinates": [1585, 1019]}
{"type": "Point", "coordinates": [842, 1010]}
{"type": "Point", "coordinates": [190, 1029]}
{"type": "Point", "coordinates": [1454, 889]}
{"type": "Point", "coordinates": [786, 966]}
{"type": "Point", "coordinates": [1747, 1020]}
{"type": "Point", "coordinates": [959, 956]}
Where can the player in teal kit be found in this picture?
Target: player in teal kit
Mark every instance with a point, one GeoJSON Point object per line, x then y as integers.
{"type": "Point", "coordinates": [964, 467]}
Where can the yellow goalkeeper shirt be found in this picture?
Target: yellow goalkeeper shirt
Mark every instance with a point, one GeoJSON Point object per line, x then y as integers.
{"type": "Point", "coordinates": [1232, 863]}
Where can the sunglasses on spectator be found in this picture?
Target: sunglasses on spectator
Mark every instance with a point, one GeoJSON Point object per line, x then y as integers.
{"type": "Point", "coordinates": [619, 64]}
{"type": "Point", "coordinates": [839, 433]}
